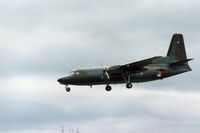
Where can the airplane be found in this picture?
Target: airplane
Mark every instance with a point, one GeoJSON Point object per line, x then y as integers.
{"type": "Point", "coordinates": [154, 68]}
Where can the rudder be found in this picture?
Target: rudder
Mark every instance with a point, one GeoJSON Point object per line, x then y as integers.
{"type": "Point", "coordinates": [177, 48]}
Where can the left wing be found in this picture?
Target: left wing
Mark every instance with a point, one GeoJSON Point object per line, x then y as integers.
{"type": "Point", "coordinates": [137, 66]}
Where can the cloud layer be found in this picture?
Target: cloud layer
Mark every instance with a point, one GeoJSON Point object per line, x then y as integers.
{"type": "Point", "coordinates": [43, 40]}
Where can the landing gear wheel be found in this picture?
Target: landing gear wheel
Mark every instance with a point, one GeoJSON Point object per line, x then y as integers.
{"type": "Point", "coordinates": [67, 89]}
{"type": "Point", "coordinates": [108, 88]}
{"type": "Point", "coordinates": [129, 85]}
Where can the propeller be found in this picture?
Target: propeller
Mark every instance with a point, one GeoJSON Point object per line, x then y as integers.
{"type": "Point", "coordinates": [105, 74]}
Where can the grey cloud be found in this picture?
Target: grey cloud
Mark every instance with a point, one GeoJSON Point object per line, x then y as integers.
{"type": "Point", "coordinates": [57, 36]}
{"type": "Point", "coordinates": [85, 106]}
{"type": "Point", "coordinates": [49, 38]}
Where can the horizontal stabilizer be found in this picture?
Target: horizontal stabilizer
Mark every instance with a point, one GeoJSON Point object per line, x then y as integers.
{"type": "Point", "coordinates": [181, 62]}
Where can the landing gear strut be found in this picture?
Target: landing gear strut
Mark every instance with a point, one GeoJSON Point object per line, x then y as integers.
{"type": "Point", "coordinates": [108, 88]}
{"type": "Point", "coordinates": [67, 88]}
{"type": "Point", "coordinates": [128, 81]}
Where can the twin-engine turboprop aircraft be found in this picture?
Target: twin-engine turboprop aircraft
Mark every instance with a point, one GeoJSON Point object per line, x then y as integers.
{"type": "Point", "coordinates": [158, 67]}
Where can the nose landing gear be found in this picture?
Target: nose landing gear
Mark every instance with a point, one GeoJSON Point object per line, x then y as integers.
{"type": "Point", "coordinates": [67, 88]}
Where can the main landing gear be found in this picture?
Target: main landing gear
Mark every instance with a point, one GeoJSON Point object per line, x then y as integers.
{"type": "Point", "coordinates": [67, 88]}
{"type": "Point", "coordinates": [129, 85]}
{"type": "Point", "coordinates": [108, 88]}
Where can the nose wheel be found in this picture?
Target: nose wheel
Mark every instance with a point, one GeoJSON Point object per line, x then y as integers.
{"type": "Point", "coordinates": [67, 89]}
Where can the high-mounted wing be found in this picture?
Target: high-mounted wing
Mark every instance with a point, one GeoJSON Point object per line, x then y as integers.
{"type": "Point", "coordinates": [137, 66]}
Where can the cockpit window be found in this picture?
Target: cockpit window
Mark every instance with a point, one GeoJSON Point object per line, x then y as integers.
{"type": "Point", "coordinates": [71, 73]}
{"type": "Point", "coordinates": [77, 73]}
{"type": "Point", "coordinates": [74, 73]}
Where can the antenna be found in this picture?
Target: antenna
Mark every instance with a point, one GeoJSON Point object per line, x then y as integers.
{"type": "Point", "coordinates": [62, 129]}
{"type": "Point", "coordinates": [77, 131]}
{"type": "Point", "coordinates": [71, 130]}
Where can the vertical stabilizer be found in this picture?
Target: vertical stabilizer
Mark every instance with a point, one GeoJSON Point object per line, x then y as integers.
{"type": "Point", "coordinates": [177, 48]}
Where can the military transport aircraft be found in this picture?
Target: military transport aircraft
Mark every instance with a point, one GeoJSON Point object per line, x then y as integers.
{"type": "Point", "coordinates": [154, 68]}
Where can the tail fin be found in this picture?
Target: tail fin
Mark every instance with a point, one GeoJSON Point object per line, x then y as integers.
{"type": "Point", "coordinates": [177, 48]}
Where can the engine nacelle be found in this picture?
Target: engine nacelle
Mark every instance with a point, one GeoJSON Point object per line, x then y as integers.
{"type": "Point", "coordinates": [114, 69]}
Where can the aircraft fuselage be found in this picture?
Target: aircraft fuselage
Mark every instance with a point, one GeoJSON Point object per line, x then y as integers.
{"type": "Point", "coordinates": [154, 68]}
{"type": "Point", "coordinates": [97, 76]}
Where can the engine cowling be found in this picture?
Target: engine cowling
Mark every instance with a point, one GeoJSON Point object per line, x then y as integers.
{"type": "Point", "coordinates": [114, 69]}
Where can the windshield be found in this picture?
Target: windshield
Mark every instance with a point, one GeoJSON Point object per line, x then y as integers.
{"type": "Point", "coordinates": [74, 73]}
{"type": "Point", "coordinates": [71, 73]}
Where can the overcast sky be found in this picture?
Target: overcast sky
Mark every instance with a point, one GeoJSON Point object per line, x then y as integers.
{"type": "Point", "coordinates": [43, 40]}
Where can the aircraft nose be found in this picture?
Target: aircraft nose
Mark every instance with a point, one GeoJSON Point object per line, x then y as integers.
{"type": "Point", "coordinates": [61, 80]}
{"type": "Point", "coordinates": [66, 80]}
